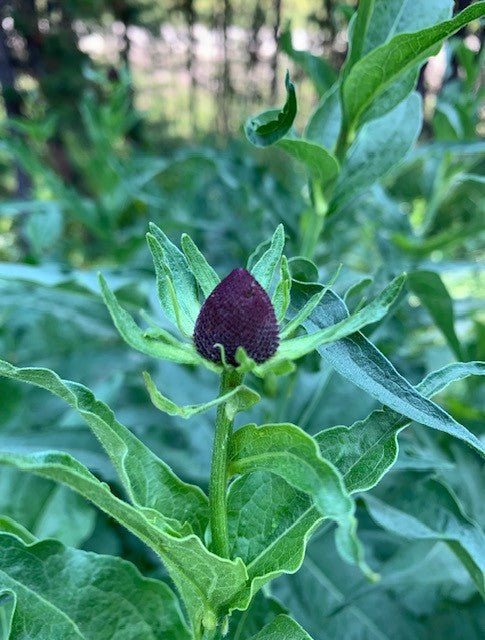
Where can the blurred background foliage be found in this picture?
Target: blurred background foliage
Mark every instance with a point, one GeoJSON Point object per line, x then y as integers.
{"type": "Point", "coordinates": [118, 112]}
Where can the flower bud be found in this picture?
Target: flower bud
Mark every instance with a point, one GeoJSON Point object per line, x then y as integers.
{"type": "Point", "coordinates": [238, 313]}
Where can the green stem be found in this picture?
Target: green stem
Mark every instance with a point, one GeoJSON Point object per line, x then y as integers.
{"type": "Point", "coordinates": [317, 220]}
{"type": "Point", "coordinates": [230, 379]}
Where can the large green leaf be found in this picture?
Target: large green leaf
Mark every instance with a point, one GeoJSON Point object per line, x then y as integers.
{"type": "Point", "coordinates": [270, 523]}
{"type": "Point", "coordinates": [289, 452]}
{"type": "Point", "coordinates": [365, 451]}
{"type": "Point", "coordinates": [320, 163]}
{"type": "Point", "coordinates": [148, 481]}
{"type": "Point", "coordinates": [428, 510]}
{"type": "Point", "coordinates": [210, 586]}
{"type": "Point", "coordinates": [376, 71]}
{"type": "Point", "coordinates": [332, 599]}
{"type": "Point", "coordinates": [8, 601]}
{"type": "Point", "coordinates": [363, 364]}
{"type": "Point", "coordinates": [270, 126]}
{"type": "Point", "coordinates": [64, 593]}
{"type": "Point", "coordinates": [282, 628]}
{"type": "Point", "coordinates": [379, 145]}
{"type": "Point", "coordinates": [392, 17]}
{"type": "Point", "coordinates": [56, 511]}
{"type": "Point", "coordinates": [434, 296]}
{"type": "Point", "coordinates": [324, 123]}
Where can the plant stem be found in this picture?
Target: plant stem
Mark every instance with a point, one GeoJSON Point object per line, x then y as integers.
{"type": "Point", "coordinates": [218, 480]}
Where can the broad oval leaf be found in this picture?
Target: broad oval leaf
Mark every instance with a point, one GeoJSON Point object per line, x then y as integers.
{"type": "Point", "coordinates": [97, 598]}
{"type": "Point", "coordinates": [324, 123]}
{"type": "Point", "coordinates": [320, 163]}
{"type": "Point", "coordinates": [208, 584]}
{"type": "Point", "coordinates": [379, 145]}
{"type": "Point", "coordinates": [286, 450]}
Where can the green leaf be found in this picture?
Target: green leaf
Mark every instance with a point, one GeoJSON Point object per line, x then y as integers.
{"type": "Point", "coordinates": [365, 9]}
{"type": "Point", "coordinates": [239, 399]}
{"type": "Point", "coordinates": [324, 123]}
{"type": "Point", "coordinates": [282, 628]}
{"type": "Point", "coordinates": [365, 451]}
{"type": "Point", "coordinates": [429, 511]}
{"type": "Point", "coordinates": [303, 269]}
{"type": "Point", "coordinates": [281, 296]}
{"type": "Point", "coordinates": [331, 598]}
{"type": "Point", "coordinates": [98, 596]}
{"type": "Point", "coordinates": [207, 583]}
{"type": "Point", "coordinates": [379, 145]}
{"type": "Point", "coordinates": [392, 96]}
{"type": "Point", "coordinates": [260, 612]}
{"type": "Point", "coordinates": [298, 319]}
{"type": "Point", "coordinates": [56, 511]}
{"type": "Point", "coordinates": [286, 450]}
{"type": "Point", "coordinates": [322, 74]}
{"type": "Point", "coordinates": [319, 162]}
{"type": "Point", "coordinates": [393, 17]}
{"type": "Point", "coordinates": [139, 340]}
{"type": "Point", "coordinates": [374, 311]}
{"type": "Point", "coordinates": [148, 481]}
{"type": "Point", "coordinates": [8, 602]}
{"type": "Point", "coordinates": [362, 363]}
{"type": "Point", "coordinates": [434, 296]}
{"type": "Point", "coordinates": [269, 523]}
{"type": "Point", "coordinates": [373, 73]}
{"type": "Point", "coordinates": [265, 267]}
{"type": "Point", "coordinates": [177, 290]}
{"type": "Point", "coordinates": [203, 272]}
{"type": "Point", "coordinates": [270, 126]}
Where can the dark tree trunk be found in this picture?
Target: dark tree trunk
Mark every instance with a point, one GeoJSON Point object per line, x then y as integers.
{"type": "Point", "coordinates": [226, 83]}
{"type": "Point", "coordinates": [13, 104]}
{"type": "Point", "coordinates": [190, 18]}
{"type": "Point", "coordinates": [274, 62]}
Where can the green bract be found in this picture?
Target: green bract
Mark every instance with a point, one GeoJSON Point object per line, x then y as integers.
{"type": "Point", "coordinates": [185, 281]}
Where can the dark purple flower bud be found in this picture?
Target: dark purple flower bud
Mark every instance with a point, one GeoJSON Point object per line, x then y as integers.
{"type": "Point", "coordinates": [238, 313]}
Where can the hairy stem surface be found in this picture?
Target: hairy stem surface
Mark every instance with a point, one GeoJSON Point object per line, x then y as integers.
{"type": "Point", "coordinates": [218, 479]}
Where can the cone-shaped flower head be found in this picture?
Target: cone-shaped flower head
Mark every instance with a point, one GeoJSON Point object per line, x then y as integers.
{"type": "Point", "coordinates": [238, 313]}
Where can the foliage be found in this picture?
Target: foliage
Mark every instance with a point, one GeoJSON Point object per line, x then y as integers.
{"type": "Point", "coordinates": [348, 499]}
